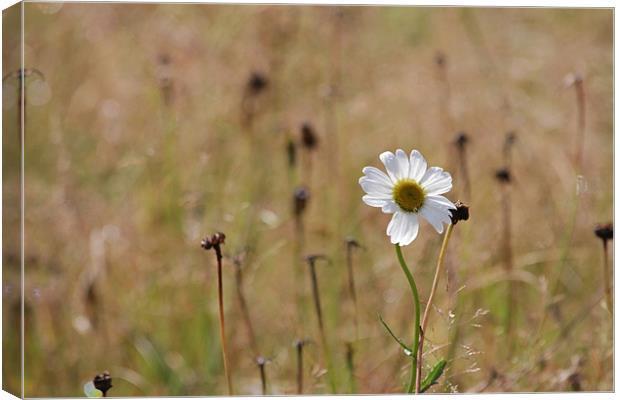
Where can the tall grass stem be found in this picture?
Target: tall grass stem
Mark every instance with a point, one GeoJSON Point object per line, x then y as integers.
{"type": "Point", "coordinates": [220, 298]}
{"type": "Point", "coordinates": [319, 315]}
{"type": "Point", "coordinates": [607, 279]}
{"type": "Point", "coordinates": [427, 309]}
{"type": "Point", "coordinates": [299, 345]}
{"type": "Point", "coordinates": [351, 283]}
{"type": "Point", "coordinates": [243, 305]}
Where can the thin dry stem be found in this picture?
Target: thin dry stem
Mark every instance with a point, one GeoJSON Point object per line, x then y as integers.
{"type": "Point", "coordinates": [581, 122]}
{"type": "Point", "coordinates": [464, 171]}
{"type": "Point", "coordinates": [299, 274]}
{"type": "Point", "coordinates": [300, 365]}
{"type": "Point", "coordinates": [351, 244]}
{"type": "Point", "coordinates": [243, 305]}
{"type": "Point", "coordinates": [607, 279]}
{"type": "Point", "coordinates": [427, 309]}
{"type": "Point", "coordinates": [351, 366]}
{"type": "Point", "coordinates": [319, 315]}
{"type": "Point", "coordinates": [508, 258]}
{"type": "Point", "coordinates": [220, 298]}
{"type": "Point", "coordinates": [260, 361]}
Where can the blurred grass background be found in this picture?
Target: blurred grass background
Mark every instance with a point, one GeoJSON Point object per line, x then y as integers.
{"type": "Point", "coordinates": [137, 146]}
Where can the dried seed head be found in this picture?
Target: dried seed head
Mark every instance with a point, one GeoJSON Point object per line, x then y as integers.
{"type": "Point", "coordinates": [300, 200]}
{"type": "Point", "coordinates": [313, 258]}
{"type": "Point", "coordinates": [351, 242]}
{"type": "Point", "coordinates": [440, 59]}
{"type": "Point", "coordinates": [503, 175]}
{"type": "Point", "coordinates": [214, 241]}
{"type": "Point", "coordinates": [164, 59]}
{"type": "Point", "coordinates": [261, 361]}
{"type": "Point", "coordinates": [461, 140]}
{"type": "Point", "coordinates": [103, 382]}
{"type": "Point", "coordinates": [257, 83]}
{"type": "Point", "coordinates": [300, 343]}
{"type": "Point", "coordinates": [309, 138]}
{"type": "Point", "coordinates": [573, 79]}
{"type": "Point", "coordinates": [604, 231]}
{"type": "Point", "coordinates": [460, 214]}
{"type": "Point", "coordinates": [511, 138]}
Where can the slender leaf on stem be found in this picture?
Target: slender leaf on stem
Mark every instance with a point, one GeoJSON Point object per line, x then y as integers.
{"type": "Point", "coordinates": [433, 376]}
{"type": "Point", "coordinates": [406, 348]}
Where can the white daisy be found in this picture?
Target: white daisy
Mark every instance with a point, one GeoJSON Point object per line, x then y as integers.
{"type": "Point", "coordinates": [409, 191]}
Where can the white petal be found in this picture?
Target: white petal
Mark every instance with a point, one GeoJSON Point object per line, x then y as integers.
{"type": "Point", "coordinates": [392, 225]}
{"type": "Point", "coordinates": [436, 181]}
{"type": "Point", "coordinates": [389, 207]}
{"type": "Point", "coordinates": [403, 164]}
{"type": "Point", "coordinates": [374, 201]}
{"type": "Point", "coordinates": [403, 228]}
{"type": "Point", "coordinates": [377, 175]}
{"type": "Point", "coordinates": [410, 227]}
{"type": "Point", "coordinates": [440, 201]}
{"type": "Point", "coordinates": [375, 188]}
{"type": "Point", "coordinates": [417, 165]}
{"type": "Point", "coordinates": [389, 160]}
{"type": "Point", "coordinates": [395, 164]}
{"type": "Point", "coordinates": [435, 217]}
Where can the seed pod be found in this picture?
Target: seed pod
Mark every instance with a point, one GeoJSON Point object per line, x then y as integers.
{"type": "Point", "coordinates": [461, 140]}
{"type": "Point", "coordinates": [604, 231]}
{"type": "Point", "coordinates": [300, 200]}
{"type": "Point", "coordinates": [215, 240]}
{"type": "Point", "coordinates": [257, 83]}
{"type": "Point", "coordinates": [309, 138]}
{"type": "Point", "coordinates": [440, 59]}
{"type": "Point", "coordinates": [503, 175]}
{"type": "Point", "coordinates": [460, 214]}
{"type": "Point", "coordinates": [103, 382]}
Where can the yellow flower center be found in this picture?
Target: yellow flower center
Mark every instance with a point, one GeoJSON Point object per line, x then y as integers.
{"type": "Point", "coordinates": [409, 195]}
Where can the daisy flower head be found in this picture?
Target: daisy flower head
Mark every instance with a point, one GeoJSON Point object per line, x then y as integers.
{"type": "Point", "coordinates": [409, 191]}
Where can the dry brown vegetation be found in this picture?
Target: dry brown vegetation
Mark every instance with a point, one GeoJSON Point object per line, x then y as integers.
{"type": "Point", "coordinates": [151, 140]}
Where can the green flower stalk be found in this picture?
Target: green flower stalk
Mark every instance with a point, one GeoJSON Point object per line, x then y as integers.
{"type": "Point", "coordinates": [416, 328]}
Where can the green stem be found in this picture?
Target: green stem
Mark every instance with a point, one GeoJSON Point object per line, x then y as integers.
{"type": "Point", "coordinates": [416, 331]}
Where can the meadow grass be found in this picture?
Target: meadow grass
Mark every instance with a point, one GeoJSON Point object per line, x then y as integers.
{"type": "Point", "coordinates": [126, 172]}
